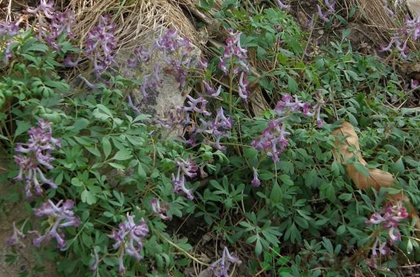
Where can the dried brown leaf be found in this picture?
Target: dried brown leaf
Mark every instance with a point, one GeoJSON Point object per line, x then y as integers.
{"type": "Point", "coordinates": [377, 178]}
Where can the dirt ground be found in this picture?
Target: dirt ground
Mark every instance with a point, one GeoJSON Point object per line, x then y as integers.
{"type": "Point", "coordinates": [26, 261]}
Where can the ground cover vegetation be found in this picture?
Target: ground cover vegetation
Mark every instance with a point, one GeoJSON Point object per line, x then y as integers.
{"type": "Point", "coordinates": [259, 191]}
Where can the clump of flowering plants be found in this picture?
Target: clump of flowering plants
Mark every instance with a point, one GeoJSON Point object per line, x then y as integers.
{"type": "Point", "coordinates": [112, 195]}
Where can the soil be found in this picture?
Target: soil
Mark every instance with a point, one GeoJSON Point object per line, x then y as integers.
{"type": "Point", "coordinates": [25, 261]}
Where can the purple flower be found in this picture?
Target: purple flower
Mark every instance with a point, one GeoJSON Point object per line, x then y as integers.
{"type": "Point", "coordinates": [101, 44]}
{"type": "Point", "coordinates": [243, 93]}
{"type": "Point", "coordinates": [194, 103]}
{"type": "Point", "coordinates": [95, 264]}
{"type": "Point", "coordinates": [388, 218]}
{"type": "Point", "coordinates": [273, 140]}
{"type": "Point", "coordinates": [211, 91]}
{"type": "Point", "coordinates": [220, 268]}
{"type": "Point", "coordinates": [330, 6]}
{"type": "Point", "coordinates": [282, 6]}
{"type": "Point", "coordinates": [234, 52]}
{"type": "Point", "coordinates": [16, 238]}
{"type": "Point", "coordinates": [129, 239]}
{"type": "Point", "coordinates": [160, 208]}
{"type": "Point", "coordinates": [188, 167]}
{"type": "Point", "coordinates": [179, 184]}
{"type": "Point", "coordinates": [321, 15]}
{"type": "Point", "coordinates": [36, 154]}
{"type": "Point", "coordinates": [60, 216]}
{"type": "Point", "coordinates": [217, 127]}
{"type": "Point", "coordinates": [414, 83]}
{"type": "Point", "coordinates": [46, 8]}
{"type": "Point", "coordinates": [255, 181]}
{"type": "Point", "coordinates": [7, 31]}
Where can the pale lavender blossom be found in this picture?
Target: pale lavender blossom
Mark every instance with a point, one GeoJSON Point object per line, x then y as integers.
{"type": "Point", "coordinates": [330, 6]}
{"type": "Point", "coordinates": [221, 267]}
{"type": "Point", "coordinates": [60, 216]}
{"type": "Point", "coordinates": [129, 239]}
{"type": "Point", "coordinates": [282, 5]}
{"type": "Point", "coordinates": [95, 264]}
{"type": "Point", "coordinates": [160, 208]}
{"type": "Point", "coordinates": [35, 154]}
{"type": "Point", "coordinates": [321, 15]}
{"type": "Point", "coordinates": [46, 8]}
{"type": "Point", "coordinates": [211, 91]}
{"type": "Point", "coordinates": [16, 238]}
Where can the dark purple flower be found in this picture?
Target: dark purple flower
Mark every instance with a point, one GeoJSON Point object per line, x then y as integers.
{"type": "Point", "coordinates": [242, 88]}
{"type": "Point", "coordinates": [414, 83]}
{"type": "Point", "coordinates": [188, 167]}
{"type": "Point", "coordinates": [160, 208]}
{"type": "Point", "coordinates": [234, 52]}
{"type": "Point", "coordinates": [36, 154]}
{"type": "Point", "coordinates": [255, 181]}
{"type": "Point", "coordinates": [129, 239]}
{"type": "Point", "coordinates": [211, 91]}
{"type": "Point", "coordinates": [60, 216]}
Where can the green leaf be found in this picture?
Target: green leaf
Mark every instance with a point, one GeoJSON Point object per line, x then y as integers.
{"type": "Point", "coordinates": [88, 197]}
{"type": "Point", "coordinates": [359, 167]}
{"type": "Point", "coordinates": [292, 85]}
{"type": "Point", "coordinates": [258, 247]}
{"type": "Point", "coordinates": [117, 166]}
{"type": "Point", "coordinates": [398, 167]}
{"type": "Point", "coordinates": [22, 127]}
{"type": "Point", "coordinates": [341, 230]}
{"type": "Point", "coordinates": [122, 155]}
{"type": "Point", "coordinates": [38, 47]}
{"type": "Point", "coordinates": [391, 149]}
{"type": "Point", "coordinates": [94, 151]}
{"type": "Point", "coordinates": [276, 194]}
{"type": "Point", "coordinates": [141, 171]}
{"type": "Point", "coordinates": [301, 222]}
{"type": "Point", "coordinates": [76, 182]}
{"type": "Point", "coordinates": [107, 147]}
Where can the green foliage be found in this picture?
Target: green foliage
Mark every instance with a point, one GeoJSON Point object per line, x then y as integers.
{"type": "Point", "coordinates": [306, 218]}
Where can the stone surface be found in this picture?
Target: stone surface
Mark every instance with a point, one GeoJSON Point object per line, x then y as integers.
{"type": "Point", "coordinates": [166, 97]}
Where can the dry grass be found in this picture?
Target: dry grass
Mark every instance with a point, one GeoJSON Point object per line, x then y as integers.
{"type": "Point", "coordinates": [136, 20]}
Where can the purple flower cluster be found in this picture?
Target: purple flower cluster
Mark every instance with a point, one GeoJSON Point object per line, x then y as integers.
{"type": "Point", "coordinates": [217, 127]}
{"type": "Point", "coordinates": [36, 154]}
{"type": "Point", "coordinates": [220, 268]}
{"type": "Point", "coordinates": [7, 31]}
{"type": "Point", "coordinates": [100, 45]}
{"type": "Point", "coordinates": [211, 91]}
{"type": "Point", "coordinates": [188, 168]}
{"type": "Point", "coordinates": [60, 22]}
{"type": "Point", "coordinates": [411, 28]}
{"type": "Point", "coordinates": [330, 10]}
{"type": "Point", "coordinates": [289, 104]}
{"type": "Point", "coordinates": [237, 56]}
{"type": "Point", "coordinates": [16, 238]}
{"type": "Point", "coordinates": [389, 218]}
{"type": "Point", "coordinates": [274, 138]}
{"type": "Point", "coordinates": [60, 216]}
{"type": "Point", "coordinates": [129, 239]}
{"type": "Point", "coordinates": [175, 54]}
{"type": "Point", "coordinates": [160, 208]}
{"type": "Point", "coordinates": [194, 103]}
